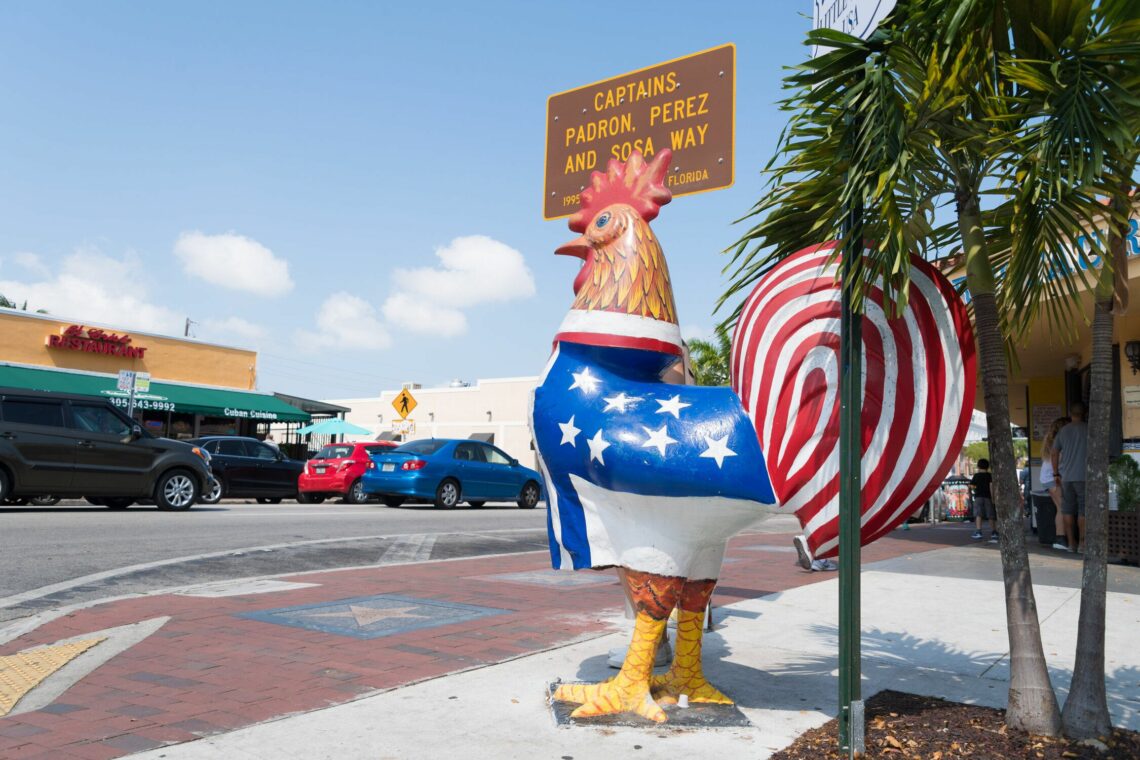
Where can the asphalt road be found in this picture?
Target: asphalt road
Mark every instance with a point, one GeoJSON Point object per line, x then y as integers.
{"type": "Point", "coordinates": [52, 557]}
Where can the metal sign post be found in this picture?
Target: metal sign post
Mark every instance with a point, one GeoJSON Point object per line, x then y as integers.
{"type": "Point", "coordinates": [850, 494]}
{"type": "Point", "coordinates": [858, 18]}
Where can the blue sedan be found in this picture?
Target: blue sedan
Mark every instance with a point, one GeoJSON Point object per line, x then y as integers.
{"type": "Point", "coordinates": [446, 472]}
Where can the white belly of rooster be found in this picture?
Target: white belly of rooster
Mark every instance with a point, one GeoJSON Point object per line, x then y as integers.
{"type": "Point", "coordinates": [678, 536]}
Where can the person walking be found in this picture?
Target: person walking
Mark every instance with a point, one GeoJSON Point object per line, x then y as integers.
{"type": "Point", "coordinates": [1050, 484]}
{"type": "Point", "coordinates": [805, 559]}
{"type": "Point", "coordinates": [1070, 450]}
{"type": "Point", "coordinates": [984, 500]}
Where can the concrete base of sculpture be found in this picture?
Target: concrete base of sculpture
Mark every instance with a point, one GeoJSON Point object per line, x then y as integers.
{"type": "Point", "coordinates": [693, 716]}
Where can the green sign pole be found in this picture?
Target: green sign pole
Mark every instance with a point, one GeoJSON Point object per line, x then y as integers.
{"type": "Point", "coordinates": [850, 490]}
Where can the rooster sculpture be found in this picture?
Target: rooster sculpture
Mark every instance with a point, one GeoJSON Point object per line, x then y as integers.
{"type": "Point", "coordinates": [653, 478]}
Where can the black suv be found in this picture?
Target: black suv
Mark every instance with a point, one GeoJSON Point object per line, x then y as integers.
{"type": "Point", "coordinates": [71, 446]}
{"type": "Point", "coordinates": [247, 468]}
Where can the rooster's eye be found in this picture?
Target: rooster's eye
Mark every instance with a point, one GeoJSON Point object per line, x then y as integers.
{"type": "Point", "coordinates": [602, 220]}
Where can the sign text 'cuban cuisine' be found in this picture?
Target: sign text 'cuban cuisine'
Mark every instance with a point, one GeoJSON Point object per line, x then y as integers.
{"type": "Point", "coordinates": [686, 105]}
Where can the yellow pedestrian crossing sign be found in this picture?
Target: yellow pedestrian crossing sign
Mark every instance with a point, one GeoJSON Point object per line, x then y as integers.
{"type": "Point", "coordinates": [404, 404]}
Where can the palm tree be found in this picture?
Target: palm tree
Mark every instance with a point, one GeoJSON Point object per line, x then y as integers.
{"type": "Point", "coordinates": [933, 114]}
{"type": "Point", "coordinates": [1079, 125]}
{"type": "Point", "coordinates": [711, 361]}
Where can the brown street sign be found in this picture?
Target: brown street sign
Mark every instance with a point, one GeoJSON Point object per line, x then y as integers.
{"type": "Point", "coordinates": [687, 104]}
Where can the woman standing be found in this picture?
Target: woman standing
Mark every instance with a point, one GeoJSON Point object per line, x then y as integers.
{"type": "Point", "coordinates": [1050, 482]}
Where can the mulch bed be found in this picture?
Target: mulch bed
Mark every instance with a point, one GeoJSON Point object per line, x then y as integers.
{"type": "Point", "coordinates": [903, 725]}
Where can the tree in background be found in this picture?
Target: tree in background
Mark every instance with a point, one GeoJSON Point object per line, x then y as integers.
{"type": "Point", "coordinates": [1077, 120]}
{"type": "Point", "coordinates": [5, 303]}
{"type": "Point", "coordinates": [921, 113]}
{"type": "Point", "coordinates": [711, 361]}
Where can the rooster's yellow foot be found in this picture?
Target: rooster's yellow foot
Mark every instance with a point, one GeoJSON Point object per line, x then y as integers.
{"type": "Point", "coordinates": [667, 688]}
{"type": "Point", "coordinates": [580, 693]}
{"type": "Point", "coordinates": [609, 697]}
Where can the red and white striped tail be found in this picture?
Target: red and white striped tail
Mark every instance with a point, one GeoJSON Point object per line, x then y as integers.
{"type": "Point", "coordinates": [918, 392]}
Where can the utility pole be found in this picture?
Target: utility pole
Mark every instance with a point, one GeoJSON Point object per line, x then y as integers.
{"type": "Point", "coordinates": [186, 332]}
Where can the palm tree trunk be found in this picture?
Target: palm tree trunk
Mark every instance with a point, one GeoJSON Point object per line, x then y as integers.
{"type": "Point", "coordinates": [1086, 708]}
{"type": "Point", "coordinates": [1032, 704]}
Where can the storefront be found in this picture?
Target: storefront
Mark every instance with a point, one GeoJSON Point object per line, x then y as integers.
{"type": "Point", "coordinates": [196, 388]}
{"type": "Point", "coordinates": [1050, 371]}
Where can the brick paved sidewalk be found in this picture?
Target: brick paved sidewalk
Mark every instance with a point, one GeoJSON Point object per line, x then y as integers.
{"type": "Point", "coordinates": [304, 642]}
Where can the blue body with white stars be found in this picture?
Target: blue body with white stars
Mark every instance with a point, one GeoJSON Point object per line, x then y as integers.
{"type": "Point", "coordinates": [640, 473]}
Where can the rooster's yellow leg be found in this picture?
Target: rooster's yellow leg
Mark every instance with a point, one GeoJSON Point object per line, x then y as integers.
{"type": "Point", "coordinates": [628, 691]}
{"type": "Point", "coordinates": [686, 675]}
{"type": "Point", "coordinates": [653, 596]}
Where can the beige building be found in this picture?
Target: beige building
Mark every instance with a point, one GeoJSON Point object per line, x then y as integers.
{"type": "Point", "coordinates": [491, 410]}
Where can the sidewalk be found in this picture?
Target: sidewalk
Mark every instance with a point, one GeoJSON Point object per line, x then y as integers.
{"type": "Point", "coordinates": [292, 667]}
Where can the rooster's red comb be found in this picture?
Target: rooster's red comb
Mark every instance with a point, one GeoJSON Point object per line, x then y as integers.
{"type": "Point", "coordinates": [634, 182]}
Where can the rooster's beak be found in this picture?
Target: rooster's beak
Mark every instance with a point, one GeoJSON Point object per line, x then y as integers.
{"type": "Point", "coordinates": [579, 247]}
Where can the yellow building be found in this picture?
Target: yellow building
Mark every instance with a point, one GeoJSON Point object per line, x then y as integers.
{"type": "Point", "coordinates": [196, 388]}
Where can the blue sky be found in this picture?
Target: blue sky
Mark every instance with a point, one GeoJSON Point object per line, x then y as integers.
{"type": "Point", "coordinates": [273, 170]}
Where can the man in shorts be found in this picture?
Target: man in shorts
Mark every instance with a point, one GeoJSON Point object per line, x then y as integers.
{"type": "Point", "coordinates": [983, 500]}
{"type": "Point", "coordinates": [1070, 449]}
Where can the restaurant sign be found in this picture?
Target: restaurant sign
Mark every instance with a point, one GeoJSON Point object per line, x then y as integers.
{"type": "Point", "coordinates": [93, 340]}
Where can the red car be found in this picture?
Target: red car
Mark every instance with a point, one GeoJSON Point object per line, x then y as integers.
{"type": "Point", "coordinates": [336, 471]}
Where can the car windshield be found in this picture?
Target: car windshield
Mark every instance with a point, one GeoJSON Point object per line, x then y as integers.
{"type": "Point", "coordinates": [334, 451]}
{"type": "Point", "coordinates": [426, 446]}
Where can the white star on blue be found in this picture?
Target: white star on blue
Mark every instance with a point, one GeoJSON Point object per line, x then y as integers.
{"type": "Point", "coordinates": [644, 436]}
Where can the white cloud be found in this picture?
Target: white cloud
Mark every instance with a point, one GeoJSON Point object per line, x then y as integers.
{"type": "Point", "coordinates": [94, 287]}
{"type": "Point", "coordinates": [345, 321]}
{"type": "Point", "coordinates": [474, 270]}
{"type": "Point", "coordinates": [31, 262]}
{"type": "Point", "coordinates": [234, 261]}
{"type": "Point", "coordinates": [231, 328]}
{"type": "Point", "coordinates": [414, 313]}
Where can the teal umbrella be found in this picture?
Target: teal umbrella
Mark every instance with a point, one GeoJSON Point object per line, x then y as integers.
{"type": "Point", "coordinates": [335, 426]}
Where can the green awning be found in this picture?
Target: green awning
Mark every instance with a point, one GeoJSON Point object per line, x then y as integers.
{"type": "Point", "coordinates": [162, 397]}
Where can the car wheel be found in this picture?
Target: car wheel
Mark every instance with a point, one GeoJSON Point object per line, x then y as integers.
{"type": "Point", "coordinates": [356, 494]}
{"type": "Point", "coordinates": [447, 494]}
{"type": "Point", "coordinates": [44, 501]}
{"type": "Point", "coordinates": [478, 503]}
{"type": "Point", "coordinates": [95, 502]}
{"type": "Point", "coordinates": [529, 495]}
{"type": "Point", "coordinates": [117, 503]}
{"type": "Point", "coordinates": [5, 486]}
{"type": "Point", "coordinates": [393, 501]}
{"type": "Point", "coordinates": [214, 495]}
{"type": "Point", "coordinates": [176, 491]}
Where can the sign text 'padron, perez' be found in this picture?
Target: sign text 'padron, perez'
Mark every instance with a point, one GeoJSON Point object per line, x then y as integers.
{"type": "Point", "coordinates": [686, 105]}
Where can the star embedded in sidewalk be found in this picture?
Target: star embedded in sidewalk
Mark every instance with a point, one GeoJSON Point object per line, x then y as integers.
{"type": "Point", "coordinates": [369, 615]}
{"type": "Point", "coordinates": [585, 381]}
{"type": "Point", "coordinates": [717, 449]}
{"type": "Point", "coordinates": [620, 402]}
{"type": "Point", "coordinates": [569, 432]}
{"type": "Point", "coordinates": [658, 439]}
{"type": "Point", "coordinates": [673, 406]}
{"type": "Point", "coordinates": [597, 446]}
